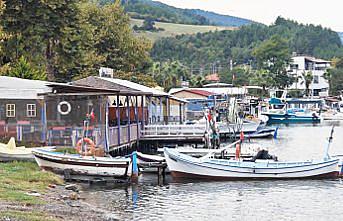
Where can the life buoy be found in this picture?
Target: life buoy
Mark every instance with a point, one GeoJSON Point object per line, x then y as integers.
{"type": "Point", "coordinates": [90, 147]}
{"type": "Point", "coordinates": [64, 112]}
{"type": "Point", "coordinates": [238, 151]}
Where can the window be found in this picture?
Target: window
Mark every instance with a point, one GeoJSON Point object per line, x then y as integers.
{"type": "Point", "coordinates": [31, 110]}
{"type": "Point", "coordinates": [315, 79]}
{"type": "Point", "coordinates": [10, 110]}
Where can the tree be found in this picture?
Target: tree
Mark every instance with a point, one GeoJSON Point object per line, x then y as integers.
{"type": "Point", "coordinates": [308, 78]}
{"type": "Point", "coordinates": [273, 55]}
{"type": "Point", "coordinates": [22, 69]}
{"type": "Point", "coordinates": [169, 74]}
{"type": "Point", "coordinates": [40, 31]}
{"type": "Point", "coordinates": [239, 76]}
{"type": "Point", "coordinates": [197, 81]}
{"type": "Point", "coordinates": [335, 77]}
{"type": "Point", "coordinates": [262, 78]}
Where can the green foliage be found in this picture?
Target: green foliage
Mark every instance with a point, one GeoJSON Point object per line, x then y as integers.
{"type": "Point", "coordinates": [308, 78]}
{"type": "Point", "coordinates": [17, 178]}
{"type": "Point", "coordinates": [41, 37]}
{"type": "Point", "coordinates": [273, 55]}
{"type": "Point", "coordinates": [70, 39]}
{"type": "Point", "coordinates": [22, 69]}
{"type": "Point", "coordinates": [239, 76]}
{"type": "Point", "coordinates": [169, 74]}
{"type": "Point", "coordinates": [142, 9]}
{"type": "Point", "coordinates": [204, 48]}
{"type": "Point", "coordinates": [138, 78]}
{"type": "Point", "coordinates": [197, 81]}
{"type": "Point", "coordinates": [261, 78]}
{"type": "Point", "coordinates": [335, 77]}
{"type": "Point", "coordinates": [148, 25]}
{"type": "Point", "coordinates": [25, 216]}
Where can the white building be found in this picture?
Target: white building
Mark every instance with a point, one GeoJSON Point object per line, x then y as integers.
{"type": "Point", "coordinates": [304, 64]}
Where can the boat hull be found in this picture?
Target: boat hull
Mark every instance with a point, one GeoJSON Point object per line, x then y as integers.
{"type": "Point", "coordinates": [183, 166]}
{"type": "Point", "coordinates": [288, 118]}
{"type": "Point", "coordinates": [87, 166]}
{"type": "Point", "coordinates": [4, 157]}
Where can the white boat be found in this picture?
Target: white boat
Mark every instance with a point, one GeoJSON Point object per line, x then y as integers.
{"type": "Point", "coordinates": [332, 115]}
{"type": "Point", "coordinates": [228, 151]}
{"type": "Point", "coordinates": [83, 165]}
{"type": "Point", "coordinates": [10, 152]}
{"type": "Point", "coordinates": [184, 166]}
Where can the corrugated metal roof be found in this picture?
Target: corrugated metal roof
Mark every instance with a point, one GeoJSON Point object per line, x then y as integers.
{"type": "Point", "coordinates": [214, 90]}
{"type": "Point", "coordinates": [18, 88]}
{"type": "Point", "coordinates": [136, 86]}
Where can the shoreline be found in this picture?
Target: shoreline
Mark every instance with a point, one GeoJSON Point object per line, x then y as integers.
{"type": "Point", "coordinates": [58, 204]}
{"type": "Point", "coordinates": [27, 193]}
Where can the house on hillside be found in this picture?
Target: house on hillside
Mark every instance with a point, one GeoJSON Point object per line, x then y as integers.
{"type": "Point", "coordinates": [302, 65]}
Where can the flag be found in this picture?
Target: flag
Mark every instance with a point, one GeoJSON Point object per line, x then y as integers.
{"type": "Point", "coordinates": [92, 115]}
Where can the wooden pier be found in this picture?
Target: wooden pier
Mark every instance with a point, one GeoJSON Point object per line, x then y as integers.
{"type": "Point", "coordinates": [173, 133]}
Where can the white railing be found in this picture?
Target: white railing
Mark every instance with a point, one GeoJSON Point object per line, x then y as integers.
{"type": "Point", "coordinates": [173, 130]}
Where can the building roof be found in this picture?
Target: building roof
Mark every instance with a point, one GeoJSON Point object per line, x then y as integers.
{"type": "Point", "coordinates": [212, 77]}
{"type": "Point", "coordinates": [200, 92]}
{"type": "Point", "coordinates": [313, 59]}
{"type": "Point", "coordinates": [211, 91]}
{"type": "Point", "coordinates": [218, 85]}
{"type": "Point", "coordinates": [124, 86]}
{"type": "Point", "coordinates": [18, 88]}
{"type": "Point", "coordinates": [136, 86]}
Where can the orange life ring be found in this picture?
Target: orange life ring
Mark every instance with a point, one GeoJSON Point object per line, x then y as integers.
{"type": "Point", "coordinates": [238, 151]}
{"type": "Point", "coordinates": [90, 146]}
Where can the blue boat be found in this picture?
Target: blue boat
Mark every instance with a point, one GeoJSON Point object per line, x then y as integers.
{"type": "Point", "coordinates": [292, 110]}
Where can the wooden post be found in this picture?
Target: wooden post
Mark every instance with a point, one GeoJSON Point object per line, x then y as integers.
{"type": "Point", "coordinates": [129, 120]}
{"type": "Point", "coordinates": [137, 119]}
{"type": "Point", "coordinates": [180, 112]}
{"type": "Point", "coordinates": [161, 109]}
{"type": "Point", "coordinates": [168, 109]}
{"type": "Point", "coordinates": [118, 119]}
{"type": "Point", "coordinates": [143, 116]}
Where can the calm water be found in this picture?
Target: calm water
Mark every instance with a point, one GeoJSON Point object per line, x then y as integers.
{"type": "Point", "coordinates": [238, 200]}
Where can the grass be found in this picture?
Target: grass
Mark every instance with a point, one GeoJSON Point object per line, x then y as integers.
{"type": "Point", "coordinates": [25, 216]}
{"type": "Point", "coordinates": [19, 178]}
{"type": "Point", "coordinates": [172, 29]}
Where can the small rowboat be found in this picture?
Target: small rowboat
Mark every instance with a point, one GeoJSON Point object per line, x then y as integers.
{"type": "Point", "coordinates": [10, 152]}
{"type": "Point", "coordinates": [184, 166]}
{"type": "Point", "coordinates": [83, 165]}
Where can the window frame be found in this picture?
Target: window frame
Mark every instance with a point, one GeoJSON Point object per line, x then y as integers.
{"type": "Point", "coordinates": [29, 112]}
{"type": "Point", "coordinates": [10, 112]}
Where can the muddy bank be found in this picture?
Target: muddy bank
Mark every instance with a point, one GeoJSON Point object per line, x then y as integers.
{"type": "Point", "coordinates": [58, 204]}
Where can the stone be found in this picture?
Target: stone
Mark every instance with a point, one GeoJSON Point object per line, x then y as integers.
{"type": "Point", "coordinates": [72, 187]}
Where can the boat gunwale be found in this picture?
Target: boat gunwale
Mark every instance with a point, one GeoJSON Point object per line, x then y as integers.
{"type": "Point", "coordinates": [201, 164]}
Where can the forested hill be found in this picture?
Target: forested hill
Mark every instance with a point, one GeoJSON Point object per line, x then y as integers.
{"type": "Point", "coordinates": [341, 35]}
{"type": "Point", "coordinates": [142, 9]}
{"type": "Point", "coordinates": [220, 46]}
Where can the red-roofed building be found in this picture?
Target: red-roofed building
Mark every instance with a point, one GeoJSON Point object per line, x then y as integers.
{"type": "Point", "coordinates": [189, 93]}
{"type": "Point", "coordinates": [212, 78]}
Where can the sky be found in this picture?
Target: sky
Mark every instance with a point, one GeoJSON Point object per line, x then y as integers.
{"type": "Point", "coordinates": [327, 13]}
